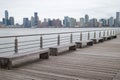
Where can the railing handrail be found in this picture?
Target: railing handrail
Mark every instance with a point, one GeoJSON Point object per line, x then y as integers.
{"type": "Point", "coordinates": [53, 33]}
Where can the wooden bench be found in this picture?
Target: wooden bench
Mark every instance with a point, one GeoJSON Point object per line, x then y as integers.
{"type": "Point", "coordinates": [8, 62]}
{"type": "Point", "coordinates": [84, 43]}
{"type": "Point", "coordinates": [97, 40]}
{"type": "Point", "coordinates": [56, 50]}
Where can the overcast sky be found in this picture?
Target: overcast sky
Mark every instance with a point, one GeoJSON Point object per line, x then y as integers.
{"type": "Point", "coordinates": [59, 8]}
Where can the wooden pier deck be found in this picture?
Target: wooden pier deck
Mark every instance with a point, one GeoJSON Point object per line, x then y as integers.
{"type": "Point", "coordinates": [98, 62]}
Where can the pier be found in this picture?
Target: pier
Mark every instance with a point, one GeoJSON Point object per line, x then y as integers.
{"type": "Point", "coordinates": [100, 61]}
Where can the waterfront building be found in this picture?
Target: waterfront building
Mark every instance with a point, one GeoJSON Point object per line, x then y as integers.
{"type": "Point", "coordinates": [6, 18]}
{"type": "Point", "coordinates": [117, 19]}
{"type": "Point", "coordinates": [11, 21]}
{"type": "Point", "coordinates": [86, 20]}
{"type": "Point", "coordinates": [111, 22]}
{"type": "Point", "coordinates": [66, 21]}
{"type": "Point", "coordinates": [36, 19]}
{"type": "Point", "coordinates": [44, 24]}
{"type": "Point", "coordinates": [26, 23]}
{"type": "Point", "coordinates": [82, 22]}
{"type": "Point", "coordinates": [56, 23]}
{"type": "Point", "coordinates": [32, 21]}
{"type": "Point", "coordinates": [50, 22]}
{"type": "Point", "coordinates": [93, 22]}
{"type": "Point", "coordinates": [3, 21]}
{"type": "Point", "coordinates": [72, 22]}
{"type": "Point", "coordinates": [103, 22]}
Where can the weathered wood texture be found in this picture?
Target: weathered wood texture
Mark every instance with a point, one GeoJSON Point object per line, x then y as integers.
{"type": "Point", "coordinates": [99, 62]}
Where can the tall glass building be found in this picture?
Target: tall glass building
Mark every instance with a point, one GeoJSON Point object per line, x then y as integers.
{"type": "Point", "coordinates": [6, 17]}
{"type": "Point", "coordinates": [117, 19]}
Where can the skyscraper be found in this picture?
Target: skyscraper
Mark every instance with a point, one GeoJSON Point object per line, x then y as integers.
{"type": "Point", "coordinates": [6, 18]}
{"type": "Point", "coordinates": [36, 19]}
{"type": "Point", "coordinates": [11, 21]}
{"type": "Point", "coordinates": [86, 20]}
{"type": "Point", "coordinates": [32, 21]}
{"type": "Point", "coordinates": [82, 22]}
{"type": "Point", "coordinates": [6, 14]}
{"type": "Point", "coordinates": [103, 22]}
{"type": "Point", "coordinates": [66, 21]}
{"type": "Point", "coordinates": [93, 22]}
{"type": "Point", "coordinates": [26, 23]}
{"type": "Point", "coordinates": [111, 21]}
{"type": "Point", "coordinates": [117, 19]}
{"type": "Point", "coordinates": [72, 22]}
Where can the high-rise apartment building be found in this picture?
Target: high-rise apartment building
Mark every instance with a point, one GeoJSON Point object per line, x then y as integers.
{"type": "Point", "coordinates": [82, 22]}
{"type": "Point", "coordinates": [11, 21]}
{"type": "Point", "coordinates": [26, 23]}
{"type": "Point", "coordinates": [117, 19]}
{"type": "Point", "coordinates": [69, 22]}
{"type": "Point", "coordinates": [6, 18]}
{"type": "Point", "coordinates": [66, 21]}
{"type": "Point", "coordinates": [72, 22]}
{"type": "Point", "coordinates": [86, 20]}
{"type": "Point", "coordinates": [36, 19]}
{"type": "Point", "coordinates": [93, 22]}
{"type": "Point", "coordinates": [32, 21]}
{"type": "Point", "coordinates": [111, 22]}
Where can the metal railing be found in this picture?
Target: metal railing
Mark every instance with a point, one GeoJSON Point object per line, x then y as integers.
{"type": "Point", "coordinates": [24, 43]}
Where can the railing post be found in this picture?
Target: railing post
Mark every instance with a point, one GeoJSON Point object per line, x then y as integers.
{"type": "Point", "coordinates": [88, 35]}
{"type": "Point", "coordinates": [16, 45]}
{"type": "Point", "coordinates": [108, 33]}
{"type": "Point", "coordinates": [81, 36]}
{"type": "Point", "coordinates": [99, 34]}
{"type": "Point", "coordinates": [117, 31]}
{"type": "Point", "coordinates": [58, 43]}
{"type": "Point", "coordinates": [41, 42]}
{"type": "Point", "coordinates": [104, 34]}
{"type": "Point", "coordinates": [94, 34]}
{"type": "Point", "coordinates": [113, 32]}
{"type": "Point", "coordinates": [71, 38]}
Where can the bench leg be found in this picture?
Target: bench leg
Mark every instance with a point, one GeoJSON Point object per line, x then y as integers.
{"type": "Point", "coordinates": [109, 38]}
{"type": "Point", "coordinates": [72, 48]}
{"type": "Point", "coordinates": [53, 51]}
{"type": "Point", "coordinates": [5, 63]}
{"type": "Point", "coordinates": [101, 40]}
{"type": "Point", "coordinates": [114, 37]}
{"type": "Point", "coordinates": [44, 55]}
{"type": "Point", "coordinates": [95, 41]}
{"type": "Point", "coordinates": [79, 45]}
{"type": "Point", "coordinates": [105, 39]}
{"type": "Point", "coordinates": [9, 65]}
{"type": "Point", "coordinates": [90, 43]}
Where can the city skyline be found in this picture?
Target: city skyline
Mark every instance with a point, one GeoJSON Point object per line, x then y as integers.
{"type": "Point", "coordinates": [51, 9]}
{"type": "Point", "coordinates": [85, 21]}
